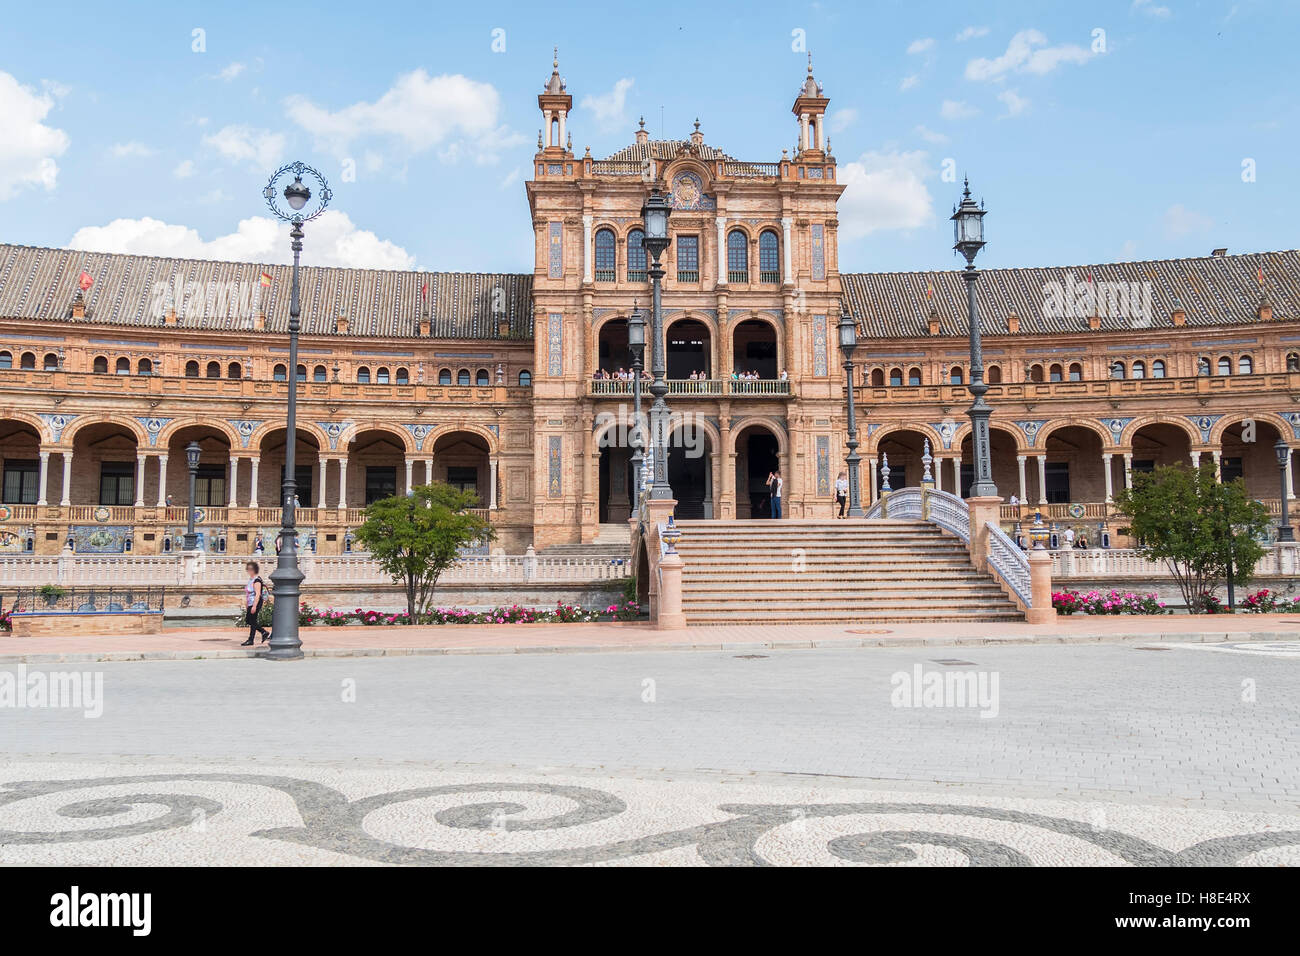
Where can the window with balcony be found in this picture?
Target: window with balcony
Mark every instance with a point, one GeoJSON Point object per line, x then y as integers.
{"type": "Point", "coordinates": [444, 376]}
{"type": "Point", "coordinates": [482, 377]}
{"type": "Point", "coordinates": [895, 376]}
{"type": "Point", "coordinates": [51, 362]}
{"type": "Point", "coordinates": [100, 365]}
{"type": "Point", "coordinates": [144, 367]}
{"type": "Point", "coordinates": [1056, 374]}
{"type": "Point", "coordinates": [769, 257]}
{"type": "Point", "coordinates": [1117, 370]}
{"type": "Point", "coordinates": [402, 377]}
{"type": "Point", "coordinates": [636, 257]}
{"type": "Point", "coordinates": [213, 370]}
{"type": "Point", "coordinates": [1224, 365]}
{"type": "Point", "coordinates": [363, 375]}
{"type": "Point", "coordinates": [525, 378]}
{"type": "Point", "coordinates": [28, 360]}
{"type": "Point", "coordinates": [993, 375]}
{"type": "Point", "coordinates": [462, 377]}
{"type": "Point", "coordinates": [1203, 365]}
{"type": "Point", "coordinates": [1158, 369]}
{"type": "Point", "coordinates": [192, 369]}
{"type": "Point", "coordinates": [6, 360]}
{"type": "Point", "coordinates": [21, 481]}
{"type": "Point", "coordinates": [1139, 370]}
{"type": "Point", "coordinates": [117, 483]}
{"type": "Point", "coordinates": [301, 373]}
{"type": "Point", "coordinates": [688, 258]}
{"type": "Point", "coordinates": [1076, 372]}
{"type": "Point", "coordinates": [955, 375]}
{"type": "Point", "coordinates": [318, 374]}
{"type": "Point", "coordinates": [123, 366]}
{"type": "Point", "coordinates": [606, 256]}
{"type": "Point", "coordinates": [1245, 365]}
{"type": "Point", "coordinates": [914, 376]}
{"type": "Point", "coordinates": [1057, 483]}
{"type": "Point", "coordinates": [381, 376]}
{"type": "Point", "coordinates": [737, 256]}
{"type": "Point", "coordinates": [234, 370]}
{"type": "Point", "coordinates": [1035, 373]}
{"type": "Point", "coordinates": [877, 378]}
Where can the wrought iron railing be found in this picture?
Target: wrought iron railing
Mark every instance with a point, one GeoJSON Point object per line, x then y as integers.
{"type": "Point", "coordinates": [88, 600]}
{"type": "Point", "coordinates": [1009, 563]}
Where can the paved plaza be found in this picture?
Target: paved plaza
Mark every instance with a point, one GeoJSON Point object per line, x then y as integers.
{"type": "Point", "coordinates": [1108, 754]}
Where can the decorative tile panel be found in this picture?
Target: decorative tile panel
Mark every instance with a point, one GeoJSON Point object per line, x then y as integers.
{"type": "Point", "coordinates": [555, 248]}
{"type": "Point", "coordinates": [244, 428]}
{"type": "Point", "coordinates": [1116, 427]}
{"type": "Point", "coordinates": [152, 426]}
{"type": "Point", "coordinates": [1030, 428]}
{"type": "Point", "coordinates": [555, 344]}
{"type": "Point", "coordinates": [820, 364]}
{"type": "Point", "coordinates": [819, 251]}
{"type": "Point", "coordinates": [1205, 423]}
{"type": "Point", "coordinates": [823, 464]}
{"type": "Point", "coordinates": [555, 467]}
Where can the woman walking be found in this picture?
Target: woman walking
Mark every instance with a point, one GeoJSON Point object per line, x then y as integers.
{"type": "Point", "coordinates": [254, 593]}
{"type": "Point", "coordinates": [842, 492]}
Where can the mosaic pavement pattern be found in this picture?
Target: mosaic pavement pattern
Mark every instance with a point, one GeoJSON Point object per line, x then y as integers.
{"type": "Point", "coordinates": [154, 813]}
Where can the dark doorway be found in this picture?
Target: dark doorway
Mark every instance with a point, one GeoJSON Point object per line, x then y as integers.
{"type": "Point", "coordinates": [762, 454]}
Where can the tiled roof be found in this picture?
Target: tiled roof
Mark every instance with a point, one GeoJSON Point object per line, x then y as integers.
{"type": "Point", "coordinates": [40, 284]}
{"type": "Point", "coordinates": [665, 149]}
{"type": "Point", "coordinates": [1214, 290]}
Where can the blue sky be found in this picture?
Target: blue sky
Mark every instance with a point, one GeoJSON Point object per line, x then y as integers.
{"type": "Point", "coordinates": [1169, 132]}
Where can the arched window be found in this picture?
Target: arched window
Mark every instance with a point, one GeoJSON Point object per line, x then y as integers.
{"type": "Point", "coordinates": [769, 257]}
{"type": "Point", "coordinates": [363, 375]}
{"type": "Point", "coordinates": [123, 366]}
{"type": "Point", "coordinates": [913, 376]}
{"type": "Point", "coordinates": [1035, 373]}
{"type": "Point", "coordinates": [234, 370]}
{"type": "Point", "coordinates": [636, 260]}
{"type": "Point", "coordinates": [144, 367]}
{"type": "Point", "coordinates": [1225, 365]}
{"type": "Point", "coordinates": [525, 378]}
{"type": "Point", "coordinates": [482, 377]}
{"type": "Point", "coordinates": [1076, 372]}
{"type": "Point", "coordinates": [302, 373]}
{"type": "Point", "coordinates": [51, 362]}
{"type": "Point", "coordinates": [318, 374]}
{"type": "Point", "coordinates": [1139, 370]}
{"type": "Point", "coordinates": [1203, 365]}
{"type": "Point", "coordinates": [192, 369]}
{"type": "Point", "coordinates": [1245, 366]}
{"type": "Point", "coordinates": [878, 378]}
{"type": "Point", "coordinates": [737, 256]}
{"type": "Point", "coordinates": [280, 373]}
{"type": "Point", "coordinates": [993, 375]}
{"type": "Point", "coordinates": [606, 256]}
{"type": "Point", "coordinates": [1117, 370]}
{"type": "Point", "coordinates": [6, 360]}
{"type": "Point", "coordinates": [1056, 374]}
{"type": "Point", "coordinates": [214, 370]}
{"type": "Point", "coordinates": [100, 366]}
{"type": "Point", "coordinates": [402, 377]}
{"type": "Point", "coordinates": [444, 376]}
{"type": "Point", "coordinates": [381, 375]}
{"type": "Point", "coordinates": [1158, 368]}
{"type": "Point", "coordinates": [462, 377]}
{"type": "Point", "coordinates": [28, 360]}
{"type": "Point", "coordinates": [955, 376]}
{"type": "Point", "coordinates": [895, 376]}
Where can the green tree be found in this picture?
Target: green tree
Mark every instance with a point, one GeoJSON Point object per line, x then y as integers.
{"type": "Point", "coordinates": [1197, 525]}
{"type": "Point", "coordinates": [418, 536]}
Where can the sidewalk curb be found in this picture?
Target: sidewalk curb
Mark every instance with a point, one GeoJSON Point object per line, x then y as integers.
{"type": "Point", "coordinates": [111, 657]}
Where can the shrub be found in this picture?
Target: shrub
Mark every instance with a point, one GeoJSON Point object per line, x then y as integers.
{"type": "Point", "coordinates": [1114, 602]}
{"type": "Point", "coordinates": [1265, 601]}
{"type": "Point", "coordinates": [627, 611]}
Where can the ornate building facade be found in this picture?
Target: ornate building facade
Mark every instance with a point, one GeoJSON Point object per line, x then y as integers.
{"type": "Point", "coordinates": [112, 365]}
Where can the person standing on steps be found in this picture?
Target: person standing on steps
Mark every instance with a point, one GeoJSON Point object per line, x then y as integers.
{"type": "Point", "coordinates": [842, 492]}
{"type": "Point", "coordinates": [774, 486]}
{"type": "Point", "coordinates": [254, 595]}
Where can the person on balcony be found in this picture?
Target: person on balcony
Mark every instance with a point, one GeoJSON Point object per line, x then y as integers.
{"type": "Point", "coordinates": [254, 594]}
{"type": "Point", "coordinates": [785, 375]}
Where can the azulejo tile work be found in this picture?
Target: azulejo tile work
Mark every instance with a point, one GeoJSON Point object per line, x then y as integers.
{"type": "Point", "coordinates": [147, 813]}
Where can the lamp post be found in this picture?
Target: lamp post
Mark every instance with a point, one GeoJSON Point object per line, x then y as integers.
{"type": "Point", "coordinates": [636, 344]}
{"type": "Point", "coordinates": [654, 216]}
{"type": "Point", "coordinates": [849, 342]}
{"type": "Point", "coordinates": [968, 230]}
{"type": "Point", "coordinates": [192, 459]}
{"type": "Point", "coordinates": [1284, 532]}
{"type": "Point", "coordinates": [287, 577]}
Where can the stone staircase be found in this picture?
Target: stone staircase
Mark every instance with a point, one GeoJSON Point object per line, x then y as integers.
{"type": "Point", "coordinates": [852, 572]}
{"type": "Point", "coordinates": [612, 541]}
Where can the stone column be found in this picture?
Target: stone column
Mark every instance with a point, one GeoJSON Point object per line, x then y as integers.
{"type": "Point", "coordinates": [234, 482]}
{"type": "Point", "coordinates": [428, 472]}
{"type": "Point", "coordinates": [1196, 460]}
{"type": "Point", "coordinates": [409, 463]}
{"type": "Point", "coordinates": [163, 480]}
{"type": "Point", "coordinates": [44, 480]}
{"type": "Point", "coordinates": [670, 593]}
{"type": "Point", "coordinates": [956, 474]}
{"type": "Point", "coordinates": [722, 250]}
{"type": "Point", "coordinates": [1106, 467]}
{"type": "Point", "coordinates": [586, 248]}
{"type": "Point", "coordinates": [1290, 485]}
{"type": "Point", "coordinates": [139, 480]}
{"type": "Point", "coordinates": [252, 485]}
{"type": "Point", "coordinates": [870, 496]}
{"type": "Point", "coordinates": [320, 497]}
{"type": "Point", "coordinates": [1217, 454]}
{"type": "Point", "coordinates": [1040, 585]}
{"type": "Point", "coordinates": [1128, 469]}
{"type": "Point", "coordinates": [787, 252]}
{"type": "Point", "coordinates": [1020, 465]}
{"type": "Point", "coordinates": [67, 479]}
{"type": "Point", "coordinates": [492, 482]}
{"type": "Point", "coordinates": [343, 483]}
{"type": "Point", "coordinates": [1042, 479]}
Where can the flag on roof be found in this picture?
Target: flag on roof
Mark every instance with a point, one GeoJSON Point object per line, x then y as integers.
{"type": "Point", "coordinates": [266, 279]}
{"type": "Point", "coordinates": [86, 281]}
{"type": "Point", "coordinates": [929, 289]}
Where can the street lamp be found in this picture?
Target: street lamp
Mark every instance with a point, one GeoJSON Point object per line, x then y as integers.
{"type": "Point", "coordinates": [192, 451]}
{"type": "Point", "coordinates": [1284, 532]}
{"type": "Point", "coordinates": [968, 232]}
{"type": "Point", "coordinates": [654, 215]}
{"type": "Point", "coordinates": [287, 578]}
{"type": "Point", "coordinates": [636, 344]}
{"type": "Point", "coordinates": [849, 342]}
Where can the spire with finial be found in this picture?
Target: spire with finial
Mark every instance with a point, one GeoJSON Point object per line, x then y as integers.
{"type": "Point", "coordinates": [556, 83]}
{"type": "Point", "coordinates": [555, 102]}
{"type": "Point", "coordinates": [642, 137]}
{"type": "Point", "coordinates": [697, 138]}
{"type": "Point", "coordinates": [810, 108]}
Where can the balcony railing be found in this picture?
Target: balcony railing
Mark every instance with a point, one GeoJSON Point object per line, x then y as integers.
{"type": "Point", "coordinates": [605, 275]}
{"type": "Point", "coordinates": [1109, 388]}
{"type": "Point", "coordinates": [769, 276]}
{"type": "Point", "coordinates": [616, 167]}
{"type": "Point", "coordinates": [685, 388]}
{"type": "Point", "coordinates": [737, 275]}
{"type": "Point", "coordinates": [740, 170]}
{"type": "Point", "coordinates": [688, 275]}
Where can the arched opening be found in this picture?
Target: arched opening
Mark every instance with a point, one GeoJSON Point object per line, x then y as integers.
{"type": "Point", "coordinates": [7, 359]}
{"type": "Point", "coordinates": [1245, 365]}
{"type": "Point", "coordinates": [1117, 370]}
{"type": "Point", "coordinates": [444, 376]}
{"type": "Point", "coordinates": [956, 376]}
{"type": "Point", "coordinates": [1161, 444]}
{"type": "Point", "coordinates": [1073, 471]}
{"type": "Point", "coordinates": [192, 369]}
{"type": "Point", "coordinates": [213, 370]}
{"type": "Point", "coordinates": [51, 362]}
{"type": "Point", "coordinates": [758, 454]}
{"type": "Point", "coordinates": [211, 483]}
{"type": "Point", "coordinates": [689, 351]}
{"type": "Point", "coordinates": [769, 257]}
{"type": "Point", "coordinates": [1158, 368]}
{"type": "Point", "coordinates": [20, 459]}
{"type": "Point", "coordinates": [1253, 461]}
{"type": "Point", "coordinates": [1056, 373]}
{"type": "Point", "coordinates": [615, 478]}
{"type": "Point", "coordinates": [482, 377]}
{"type": "Point", "coordinates": [737, 256]}
{"type": "Point", "coordinates": [376, 465]}
{"type": "Point", "coordinates": [462, 377]}
{"type": "Point", "coordinates": [1035, 373]}
{"type": "Point", "coordinates": [270, 474]}
{"type": "Point", "coordinates": [1224, 366]}
{"type": "Point", "coordinates": [690, 470]}
{"type": "Point", "coordinates": [903, 449]}
{"type": "Point", "coordinates": [106, 454]}
{"type": "Point", "coordinates": [606, 256]}
{"type": "Point", "coordinates": [895, 377]}
{"type": "Point", "coordinates": [123, 366]}
{"type": "Point", "coordinates": [525, 378]}
{"type": "Point", "coordinates": [1002, 459]}
{"type": "Point", "coordinates": [100, 365]}
{"type": "Point", "coordinates": [636, 258]}
{"type": "Point", "coordinates": [301, 373]}
{"type": "Point", "coordinates": [363, 375]}
{"type": "Point", "coordinates": [402, 376]}
{"type": "Point", "coordinates": [914, 375]}
{"type": "Point", "coordinates": [234, 370]}
{"type": "Point", "coordinates": [1076, 372]}
{"type": "Point", "coordinates": [993, 375]}
{"type": "Point", "coordinates": [877, 378]}
{"type": "Point", "coordinates": [462, 460]}
{"type": "Point", "coordinates": [1203, 365]}
{"type": "Point", "coordinates": [318, 374]}
{"type": "Point", "coordinates": [144, 367]}
{"type": "Point", "coordinates": [612, 350]}
{"type": "Point", "coordinates": [381, 375]}
{"type": "Point", "coordinates": [1139, 369]}
{"type": "Point", "coordinates": [28, 360]}
{"type": "Point", "coordinates": [754, 348]}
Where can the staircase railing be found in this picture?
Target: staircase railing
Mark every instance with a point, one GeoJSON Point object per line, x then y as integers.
{"type": "Point", "coordinates": [1009, 563]}
{"type": "Point", "coordinates": [926, 504]}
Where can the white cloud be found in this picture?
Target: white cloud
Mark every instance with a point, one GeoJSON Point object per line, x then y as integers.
{"type": "Point", "coordinates": [1128, 251]}
{"type": "Point", "coordinates": [231, 71]}
{"type": "Point", "coordinates": [27, 146]}
{"type": "Point", "coordinates": [510, 178]}
{"type": "Point", "coordinates": [920, 45]}
{"type": "Point", "coordinates": [132, 149]}
{"type": "Point", "coordinates": [1181, 221]}
{"type": "Point", "coordinates": [843, 119]}
{"type": "Point", "coordinates": [458, 115]}
{"type": "Point", "coordinates": [884, 191]}
{"type": "Point", "coordinates": [607, 108]}
{"type": "Point", "coordinates": [1014, 102]}
{"type": "Point", "coordinates": [957, 110]}
{"type": "Point", "coordinates": [970, 33]}
{"type": "Point", "coordinates": [1154, 10]}
{"type": "Point", "coordinates": [332, 240]}
{"type": "Point", "coordinates": [909, 81]}
{"type": "Point", "coordinates": [931, 136]}
{"type": "Point", "coordinates": [244, 144]}
{"type": "Point", "coordinates": [1026, 53]}
{"type": "Point", "coordinates": [184, 169]}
